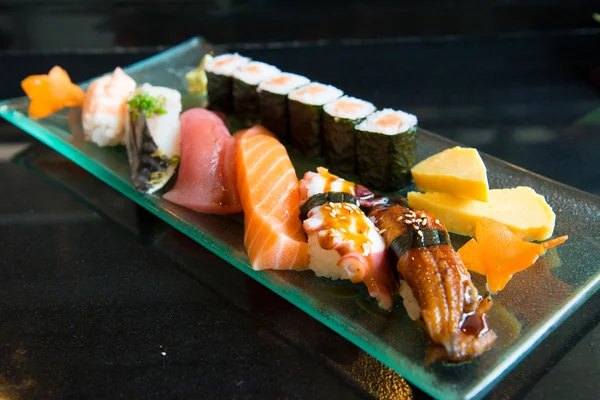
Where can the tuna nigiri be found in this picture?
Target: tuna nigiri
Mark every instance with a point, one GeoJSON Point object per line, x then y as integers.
{"type": "Point", "coordinates": [207, 178]}
{"type": "Point", "coordinates": [104, 113]}
{"type": "Point", "coordinates": [51, 93]}
{"type": "Point", "coordinates": [268, 189]}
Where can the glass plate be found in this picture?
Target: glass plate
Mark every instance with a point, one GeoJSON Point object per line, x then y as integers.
{"type": "Point", "coordinates": [534, 303]}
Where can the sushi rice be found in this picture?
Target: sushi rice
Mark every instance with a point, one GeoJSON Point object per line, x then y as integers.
{"type": "Point", "coordinates": [315, 94]}
{"type": "Point", "coordinates": [349, 108]}
{"type": "Point", "coordinates": [283, 83]}
{"type": "Point", "coordinates": [226, 64]}
{"type": "Point", "coordinates": [389, 122]}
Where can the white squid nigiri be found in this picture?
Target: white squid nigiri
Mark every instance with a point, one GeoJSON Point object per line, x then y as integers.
{"type": "Point", "coordinates": [153, 136]}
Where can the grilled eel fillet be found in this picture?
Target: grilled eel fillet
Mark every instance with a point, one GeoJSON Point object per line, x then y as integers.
{"type": "Point", "coordinates": [453, 313]}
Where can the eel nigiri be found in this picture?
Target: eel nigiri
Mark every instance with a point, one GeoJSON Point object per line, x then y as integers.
{"type": "Point", "coordinates": [268, 189]}
{"type": "Point", "coordinates": [104, 113]}
{"type": "Point", "coordinates": [153, 136]}
{"type": "Point", "coordinates": [206, 181]}
{"type": "Point", "coordinates": [343, 242]}
{"type": "Point", "coordinates": [435, 280]}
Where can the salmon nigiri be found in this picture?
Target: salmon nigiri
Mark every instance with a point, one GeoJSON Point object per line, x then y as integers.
{"type": "Point", "coordinates": [51, 93]}
{"type": "Point", "coordinates": [268, 190]}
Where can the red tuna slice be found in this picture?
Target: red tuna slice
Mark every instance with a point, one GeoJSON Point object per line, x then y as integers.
{"type": "Point", "coordinates": [207, 177]}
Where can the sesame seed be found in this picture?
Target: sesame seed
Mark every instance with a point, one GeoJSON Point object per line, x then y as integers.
{"type": "Point", "coordinates": [343, 230]}
{"type": "Point", "coordinates": [424, 222]}
{"type": "Point", "coordinates": [331, 214]}
{"type": "Point", "coordinates": [381, 231]}
{"type": "Point", "coordinates": [437, 221]}
{"type": "Point", "coordinates": [400, 218]}
{"type": "Point", "coordinates": [330, 204]}
{"type": "Point", "coordinates": [408, 221]}
{"type": "Point", "coordinates": [419, 233]}
{"type": "Point", "coordinates": [423, 215]}
{"type": "Point", "coordinates": [418, 220]}
{"type": "Point", "coordinates": [343, 217]}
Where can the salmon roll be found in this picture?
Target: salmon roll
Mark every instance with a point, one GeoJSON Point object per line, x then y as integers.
{"type": "Point", "coordinates": [385, 149]}
{"type": "Point", "coordinates": [339, 134]}
{"type": "Point", "coordinates": [273, 102]}
{"type": "Point", "coordinates": [343, 243]}
{"type": "Point", "coordinates": [245, 83]}
{"type": "Point", "coordinates": [104, 110]}
{"type": "Point", "coordinates": [219, 83]}
{"type": "Point", "coordinates": [306, 116]}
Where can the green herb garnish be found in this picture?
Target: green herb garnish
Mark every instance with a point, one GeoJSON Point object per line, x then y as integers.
{"type": "Point", "coordinates": [147, 105]}
{"type": "Point", "coordinates": [596, 16]}
{"type": "Point", "coordinates": [174, 160]}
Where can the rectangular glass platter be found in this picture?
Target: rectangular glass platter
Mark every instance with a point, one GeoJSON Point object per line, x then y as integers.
{"type": "Point", "coordinates": [534, 303]}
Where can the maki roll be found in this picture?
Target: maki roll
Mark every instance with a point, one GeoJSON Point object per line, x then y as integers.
{"type": "Point", "coordinates": [104, 111]}
{"type": "Point", "coordinates": [245, 82]}
{"type": "Point", "coordinates": [153, 137]}
{"type": "Point", "coordinates": [343, 243]}
{"type": "Point", "coordinates": [306, 115]}
{"type": "Point", "coordinates": [339, 136]}
{"type": "Point", "coordinates": [385, 149]}
{"type": "Point", "coordinates": [219, 84]}
{"type": "Point", "coordinates": [273, 103]}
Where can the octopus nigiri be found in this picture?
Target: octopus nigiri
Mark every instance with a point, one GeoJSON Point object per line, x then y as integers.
{"type": "Point", "coordinates": [435, 279]}
{"type": "Point", "coordinates": [342, 242]}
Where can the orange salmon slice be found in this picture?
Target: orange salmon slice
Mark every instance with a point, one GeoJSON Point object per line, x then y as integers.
{"type": "Point", "coordinates": [253, 69]}
{"type": "Point", "coordinates": [389, 120]}
{"type": "Point", "coordinates": [224, 61]}
{"type": "Point", "coordinates": [312, 90]}
{"type": "Point", "coordinates": [280, 80]}
{"type": "Point", "coordinates": [347, 106]}
{"type": "Point", "coordinates": [268, 190]}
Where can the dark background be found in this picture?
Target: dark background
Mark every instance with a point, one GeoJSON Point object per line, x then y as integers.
{"type": "Point", "coordinates": [97, 24]}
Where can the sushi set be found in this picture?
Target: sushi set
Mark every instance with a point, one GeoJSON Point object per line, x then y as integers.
{"type": "Point", "coordinates": [333, 192]}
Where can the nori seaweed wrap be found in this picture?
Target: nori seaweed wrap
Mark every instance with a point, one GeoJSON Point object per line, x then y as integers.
{"type": "Point", "coordinates": [386, 149]}
{"type": "Point", "coordinates": [245, 84]}
{"type": "Point", "coordinates": [339, 135]}
{"type": "Point", "coordinates": [273, 102]}
{"type": "Point", "coordinates": [219, 85]}
{"type": "Point", "coordinates": [305, 108]}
